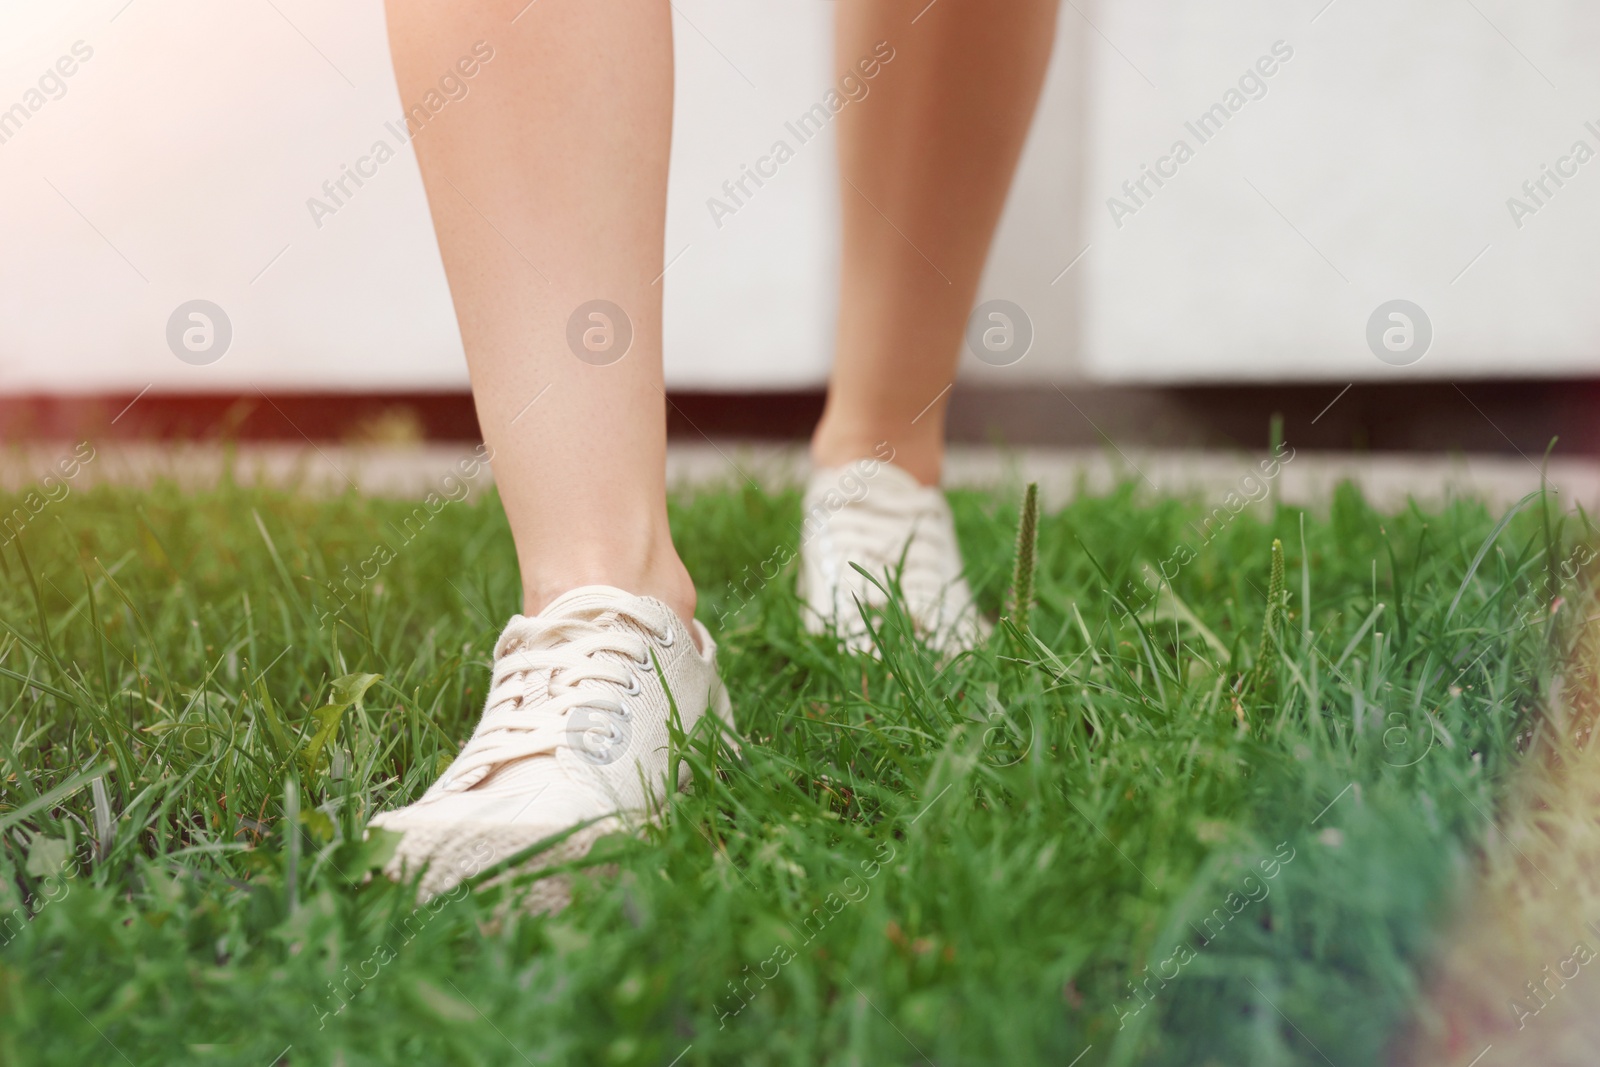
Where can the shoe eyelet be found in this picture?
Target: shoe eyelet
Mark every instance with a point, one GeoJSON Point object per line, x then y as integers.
{"type": "Point", "coordinates": [633, 688]}
{"type": "Point", "coordinates": [667, 640]}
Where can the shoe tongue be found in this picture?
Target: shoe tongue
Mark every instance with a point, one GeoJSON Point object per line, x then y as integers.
{"type": "Point", "coordinates": [593, 602]}
{"type": "Point", "coordinates": [888, 481]}
{"type": "Point", "coordinates": [899, 478]}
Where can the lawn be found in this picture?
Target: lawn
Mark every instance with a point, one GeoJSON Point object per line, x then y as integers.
{"type": "Point", "coordinates": [1178, 828]}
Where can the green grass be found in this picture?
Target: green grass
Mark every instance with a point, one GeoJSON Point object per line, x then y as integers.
{"type": "Point", "coordinates": [970, 864]}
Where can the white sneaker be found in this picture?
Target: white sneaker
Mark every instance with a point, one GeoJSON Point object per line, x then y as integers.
{"type": "Point", "coordinates": [869, 513]}
{"type": "Point", "coordinates": [574, 730]}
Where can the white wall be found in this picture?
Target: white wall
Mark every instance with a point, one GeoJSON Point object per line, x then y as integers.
{"type": "Point", "coordinates": [184, 152]}
{"type": "Point", "coordinates": [1377, 166]}
{"type": "Point", "coordinates": [178, 163]}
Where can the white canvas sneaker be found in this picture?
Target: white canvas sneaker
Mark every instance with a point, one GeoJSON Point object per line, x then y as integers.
{"type": "Point", "coordinates": [574, 729]}
{"type": "Point", "coordinates": [870, 513]}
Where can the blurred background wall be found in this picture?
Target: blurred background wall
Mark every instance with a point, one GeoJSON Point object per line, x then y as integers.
{"type": "Point", "coordinates": [1376, 161]}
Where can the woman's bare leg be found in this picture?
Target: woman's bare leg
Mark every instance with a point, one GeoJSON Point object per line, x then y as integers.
{"type": "Point", "coordinates": [926, 160]}
{"type": "Point", "coordinates": [548, 183]}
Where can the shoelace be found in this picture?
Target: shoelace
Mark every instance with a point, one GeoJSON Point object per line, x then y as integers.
{"type": "Point", "coordinates": [862, 532]}
{"type": "Point", "coordinates": [575, 656]}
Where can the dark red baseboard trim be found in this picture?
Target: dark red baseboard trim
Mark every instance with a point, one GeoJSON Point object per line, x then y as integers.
{"type": "Point", "coordinates": [1509, 416]}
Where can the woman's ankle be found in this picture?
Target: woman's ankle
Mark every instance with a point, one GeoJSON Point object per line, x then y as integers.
{"type": "Point", "coordinates": [919, 454]}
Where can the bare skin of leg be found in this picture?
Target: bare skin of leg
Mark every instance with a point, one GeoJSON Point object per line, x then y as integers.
{"type": "Point", "coordinates": [926, 160]}
{"type": "Point", "coordinates": [547, 183]}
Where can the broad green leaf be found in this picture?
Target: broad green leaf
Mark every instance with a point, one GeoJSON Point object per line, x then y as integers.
{"type": "Point", "coordinates": [351, 688]}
